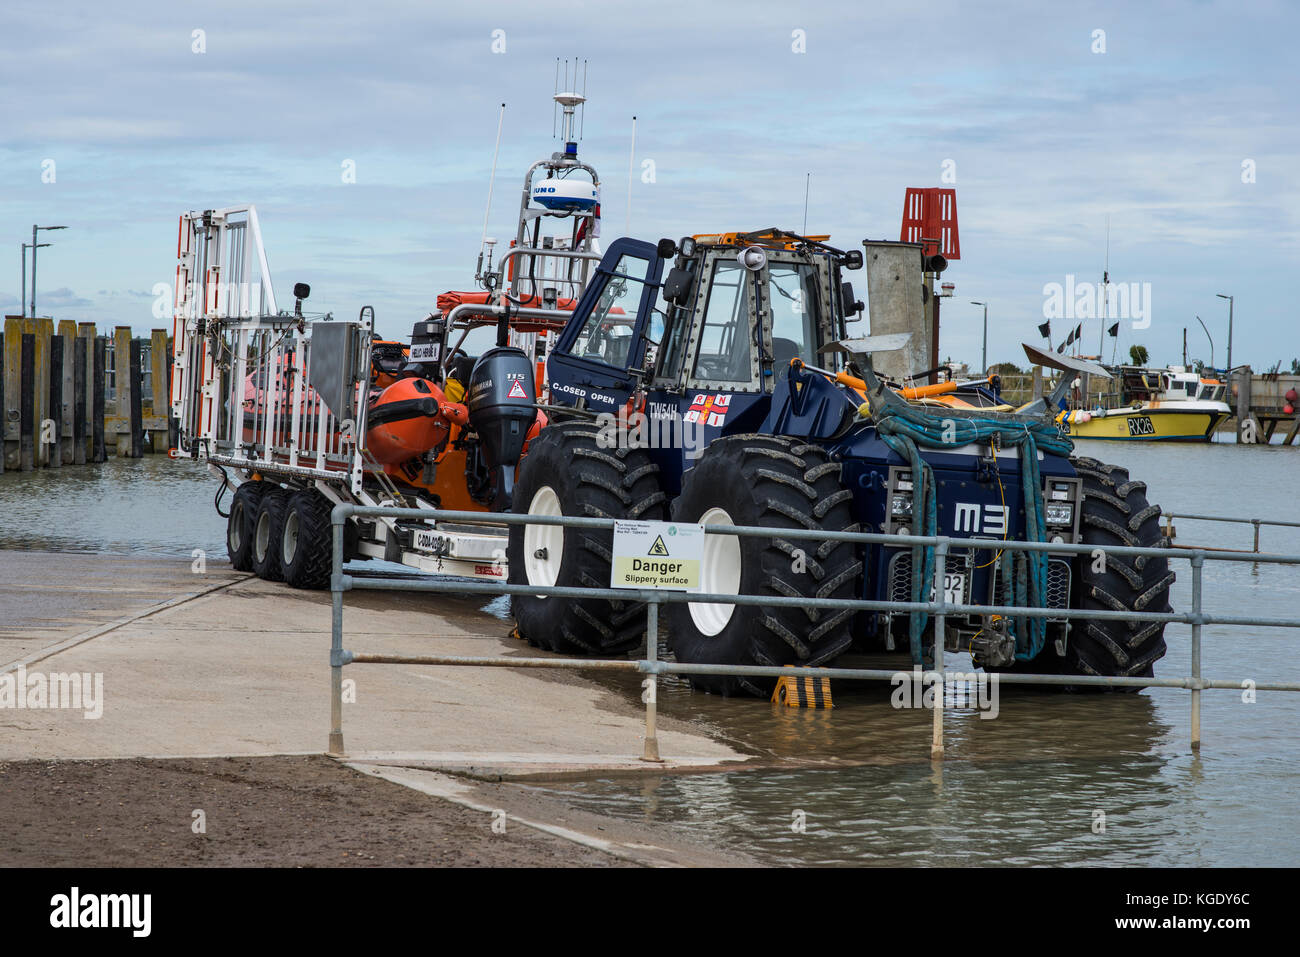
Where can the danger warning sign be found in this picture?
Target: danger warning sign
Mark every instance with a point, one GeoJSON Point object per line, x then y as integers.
{"type": "Point", "coordinates": [657, 555]}
{"type": "Point", "coordinates": [517, 391]}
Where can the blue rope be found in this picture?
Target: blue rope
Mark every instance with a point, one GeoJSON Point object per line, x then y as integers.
{"type": "Point", "coordinates": [903, 429]}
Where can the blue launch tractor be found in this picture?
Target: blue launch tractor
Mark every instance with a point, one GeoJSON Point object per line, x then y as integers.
{"type": "Point", "coordinates": [714, 380]}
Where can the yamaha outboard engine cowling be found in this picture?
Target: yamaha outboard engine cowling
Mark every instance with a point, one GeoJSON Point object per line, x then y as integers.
{"type": "Point", "coordinates": [502, 407]}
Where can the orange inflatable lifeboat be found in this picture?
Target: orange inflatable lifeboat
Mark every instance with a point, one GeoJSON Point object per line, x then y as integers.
{"type": "Point", "coordinates": [409, 418]}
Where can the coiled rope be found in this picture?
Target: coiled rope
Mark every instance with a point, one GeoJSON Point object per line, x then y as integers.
{"type": "Point", "coordinates": [905, 427]}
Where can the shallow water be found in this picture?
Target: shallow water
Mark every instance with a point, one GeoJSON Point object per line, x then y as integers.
{"type": "Point", "coordinates": [150, 505]}
{"type": "Point", "coordinates": [1035, 784]}
{"type": "Point", "coordinates": [1024, 788]}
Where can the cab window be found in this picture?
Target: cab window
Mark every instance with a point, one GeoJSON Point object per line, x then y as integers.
{"type": "Point", "coordinates": [606, 336]}
{"type": "Point", "coordinates": [724, 352]}
{"type": "Point", "coordinates": [672, 343]}
{"type": "Point", "coordinates": [792, 297]}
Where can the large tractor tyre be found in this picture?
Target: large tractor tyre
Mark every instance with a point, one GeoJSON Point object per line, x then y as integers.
{"type": "Point", "coordinates": [1116, 512]}
{"type": "Point", "coordinates": [566, 472]}
{"type": "Point", "coordinates": [241, 522]}
{"type": "Point", "coordinates": [781, 482]}
{"type": "Point", "coordinates": [267, 532]}
{"type": "Point", "coordinates": [306, 542]}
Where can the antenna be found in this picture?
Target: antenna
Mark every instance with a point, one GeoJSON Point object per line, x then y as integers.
{"type": "Point", "coordinates": [807, 185]}
{"type": "Point", "coordinates": [582, 120]}
{"type": "Point", "coordinates": [631, 162]}
{"type": "Point", "coordinates": [1105, 295]}
{"type": "Point", "coordinates": [555, 109]}
{"type": "Point", "coordinates": [501, 118]}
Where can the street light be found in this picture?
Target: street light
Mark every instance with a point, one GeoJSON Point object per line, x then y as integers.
{"type": "Point", "coordinates": [1229, 298]}
{"type": "Point", "coordinates": [985, 354]}
{"type": "Point", "coordinates": [1208, 336]}
{"type": "Point", "coordinates": [22, 286]}
{"type": "Point", "coordinates": [35, 246]}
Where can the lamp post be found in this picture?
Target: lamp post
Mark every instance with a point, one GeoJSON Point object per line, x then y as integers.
{"type": "Point", "coordinates": [984, 357]}
{"type": "Point", "coordinates": [1208, 336]}
{"type": "Point", "coordinates": [22, 286]}
{"type": "Point", "coordinates": [1229, 298]}
{"type": "Point", "coordinates": [35, 246]}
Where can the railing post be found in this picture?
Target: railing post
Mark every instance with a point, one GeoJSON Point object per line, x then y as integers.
{"type": "Point", "coordinates": [1198, 561]}
{"type": "Point", "coordinates": [651, 692]}
{"type": "Point", "coordinates": [336, 640]}
{"type": "Point", "coordinates": [1255, 522]}
{"type": "Point", "coordinates": [940, 568]}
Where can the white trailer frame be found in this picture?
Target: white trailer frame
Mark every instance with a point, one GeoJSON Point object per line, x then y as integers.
{"type": "Point", "coordinates": [243, 401]}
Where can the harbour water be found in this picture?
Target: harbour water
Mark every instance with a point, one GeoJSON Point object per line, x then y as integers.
{"type": "Point", "coordinates": [1053, 779]}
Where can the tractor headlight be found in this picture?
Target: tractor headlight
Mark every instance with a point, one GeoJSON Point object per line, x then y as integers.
{"type": "Point", "coordinates": [900, 499]}
{"type": "Point", "coordinates": [1058, 513]}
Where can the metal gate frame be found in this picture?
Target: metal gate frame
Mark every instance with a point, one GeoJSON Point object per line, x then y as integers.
{"type": "Point", "coordinates": [650, 665]}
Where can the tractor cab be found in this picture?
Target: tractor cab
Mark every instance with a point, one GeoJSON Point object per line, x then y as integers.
{"type": "Point", "coordinates": [694, 333]}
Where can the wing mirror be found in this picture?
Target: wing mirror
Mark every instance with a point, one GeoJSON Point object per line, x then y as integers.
{"type": "Point", "coordinates": [677, 287]}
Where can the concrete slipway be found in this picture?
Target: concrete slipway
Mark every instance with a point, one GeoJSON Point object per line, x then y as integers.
{"type": "Point", "coordinates": [219, 664]}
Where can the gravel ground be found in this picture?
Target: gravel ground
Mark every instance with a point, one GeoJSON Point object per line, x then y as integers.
{"type": "Point", "coordinates": [281, 811]}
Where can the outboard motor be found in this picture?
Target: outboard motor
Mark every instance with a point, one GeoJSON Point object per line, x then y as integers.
{"type": "Point", "coordinates": [501, 403]}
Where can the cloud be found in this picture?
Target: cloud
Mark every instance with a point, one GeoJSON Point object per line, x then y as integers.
{"type": "Point", "coordinates": [62, 298]}
{"type": "Point", "coordinates": [1048, 140]}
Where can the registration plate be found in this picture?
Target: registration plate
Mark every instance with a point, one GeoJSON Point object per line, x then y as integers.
{"type": "Point", "coordinates": [954, 588]}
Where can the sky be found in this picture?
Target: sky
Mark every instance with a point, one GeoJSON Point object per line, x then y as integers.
{"type": "Point", "coordinates": [1177, 122]}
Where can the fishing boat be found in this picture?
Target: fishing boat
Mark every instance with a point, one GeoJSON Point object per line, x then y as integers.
{"type": "Point", "coordinates": [1174, 404]}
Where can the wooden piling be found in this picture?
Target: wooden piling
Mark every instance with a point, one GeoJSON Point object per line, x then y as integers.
{"type": "Point", "coordinates": [67, 332]}
{"type": "Point", "coordinates": [173, 427]}
{"type": "Point", "coordinates": [79, 391]}
{"type": "Point", "coordinates": [52, 427]}
{"type": "Point", "coordinates": [86, 434]}
{"type": "Point", "coordinates": [27, 403]}
{"type": "Point", "coordinates": [4, 445]}
{"type": "Point", "coordinates": [158, 413]}
{"type": "Point", "coordinates": [41, 330]}
{"type": "Point", "coordinates": [100, 355]}
{"type": "Point", "coordinates": [3, 417]}
{"type": "Point", "coordinates": [117, 428]}
{"type": "Point", "coordinates": [10, 413]}
{"type": "Point", "coordinates": [135, 408]}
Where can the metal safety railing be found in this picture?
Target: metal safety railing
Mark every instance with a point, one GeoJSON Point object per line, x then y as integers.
{"type": "Point", "coordinates": [1256, 522]}
{"type": "Point", "coordinates": [651, 666]}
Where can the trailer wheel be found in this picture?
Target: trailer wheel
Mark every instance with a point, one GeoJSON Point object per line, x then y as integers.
{"type": "Point", "coordinates": [267, 531]}
{"type": "Point", "coordinates": [566, 472]}
{"type": "Point", "coordinates": [781, 482]}
{"type": "Point", "coordinates": [306, 543]}
{"type": "Point", "coordinates": [241, 522]}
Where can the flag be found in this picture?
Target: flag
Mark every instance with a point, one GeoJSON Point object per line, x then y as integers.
{"type": "Point", "coordinates": [1113, 331]}
{"type": "Point", "coordinates": [1078, 333]}
{"type": "Point", "coordinates": [1061, 347]}
{"type": "Point", "coordinates": [1069, 340]}
{"type": "Point", "coordinates": [1045, 330]}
